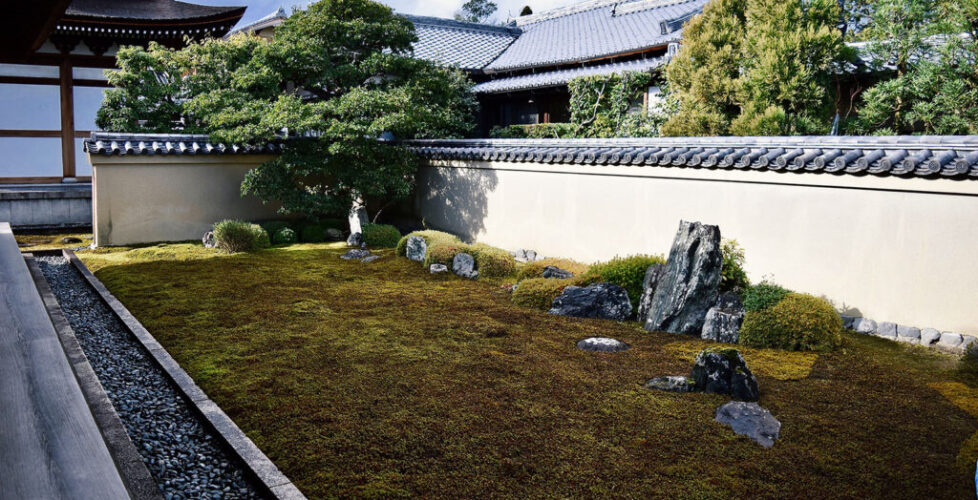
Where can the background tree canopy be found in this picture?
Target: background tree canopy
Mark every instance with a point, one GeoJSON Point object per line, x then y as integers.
{"type": "Point", "coordinates": [336, 77]}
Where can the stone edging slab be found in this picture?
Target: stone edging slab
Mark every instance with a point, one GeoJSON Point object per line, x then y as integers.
{"type": "Point", "coordinates": [263, 471]}
{"type": "Point", "coordinates": [139, 482]}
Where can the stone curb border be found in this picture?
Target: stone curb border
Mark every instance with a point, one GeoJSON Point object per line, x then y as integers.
{"type": "Point", "coordinates": [139, 482]}
{"type": "Point", "coordinates": [263, 471]}
{"type": "Point", "coordinates": [949, 342]}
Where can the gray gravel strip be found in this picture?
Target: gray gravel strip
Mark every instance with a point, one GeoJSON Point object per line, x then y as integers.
{"type": "Point", "coordinates": [183, 456]}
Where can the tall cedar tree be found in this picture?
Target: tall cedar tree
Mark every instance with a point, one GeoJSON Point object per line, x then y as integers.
{"type": "Point", "coordinates": [756, 67]}
{"type": "Point", "coordinates": [336, 77]}
{"type": "Point", "coordinates": [931, 48]}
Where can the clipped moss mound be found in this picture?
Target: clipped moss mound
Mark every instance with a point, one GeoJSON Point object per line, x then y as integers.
{"type": "Point", "coordinates": [238, 236]}
{"type": "Point", "coordinates": [284, 236]}
{"type": "Point", "coordinates": [626, 272]}
{"type": "Point", "coordinates": [798, 322]}
{"type": "Point", "coordinates": [444, 254]}
{"type": "Point", "coordinates": [431, 237]}
{"type": "Point", "coordinates": [535, 269]}
{"type": "Point", "coordinates": [381, 235]}
{"type": "Point", "coordinates": [492, 262]}
{"type": "Point", "coordinates": [539, 293]}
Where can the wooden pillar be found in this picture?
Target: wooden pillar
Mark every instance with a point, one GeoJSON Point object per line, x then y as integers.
{"type": "Point", "coordinates": [67, 120]}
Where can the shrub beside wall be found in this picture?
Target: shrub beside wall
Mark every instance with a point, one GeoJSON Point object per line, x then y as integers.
{"type": "Point", "coordinates": [539, 293]}
{"type": "Point", "coordinates": [798, 322]}
{"type": "Point", "coordinates": [626, 272]}
{"type": "Point", "coordinates": [238, 236]}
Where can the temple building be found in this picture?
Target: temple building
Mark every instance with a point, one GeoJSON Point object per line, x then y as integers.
{"type": "Point", "coordinates": [522, 68]}
{"type": "Point", "coordinates": [53, 54]}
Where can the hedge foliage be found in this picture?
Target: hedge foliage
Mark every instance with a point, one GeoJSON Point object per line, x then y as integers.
{"type": "Point", "coordinates": [799, 322]}
{"type": "Point", "coordinates": [444, 254]}
{"type": "Point", "coordinates": [284, 236]}
{"type": "Point", "coordinates": [535, 269]}
{"type": "Point", "coordinates": [763, 295]}
{"type": "Point", "coordinates": [238, 236]}
{"type": "Point", "coordinates": [492, 262]}
{"type": "Point", "coordinates": [733, 278]}
{"type": "Point", "coordinates": [381, 235]}
{"type": "Point", "coordinates": [539, 293]}
{"type": "Point", "coordinates": [312, 233]}
{"type": "Point", "coordinates": [626, 272]}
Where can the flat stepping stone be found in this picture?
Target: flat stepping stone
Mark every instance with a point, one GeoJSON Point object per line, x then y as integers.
{"type": "Point", "coordinates": [749, 419]}
{"type": "Point", "coordinates": [602, 344]}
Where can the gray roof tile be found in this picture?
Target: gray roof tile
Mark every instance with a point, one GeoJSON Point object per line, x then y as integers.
{"type": "Point", "coordinates": [594, 29]}
{"type": "Point", "coordinates": [919, 156]}
{"type": "Point", "coordinates": [110, 143]}
{"type": "Point", "coordinates": [459, 44]}
{"type": "Point", "coordinates": [561, 77]}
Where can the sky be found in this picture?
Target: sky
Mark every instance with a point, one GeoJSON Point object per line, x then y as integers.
{"type": "Point", "coordinates": [438, 8]}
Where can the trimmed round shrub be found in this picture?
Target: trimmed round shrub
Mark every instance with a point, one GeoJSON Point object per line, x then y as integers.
{"type": "Point", "coordinates": [432, 238]}
{"type": "Point", "coordinates": [312, 233]}
{"type": "Point", "coordinates": [626, 272]}
{"type": "Point", "coordinates": [335, 223]}
{"type": "Point", "coordinates": [539, 293]}
{"type": "Point", "coordinates": [381, 235]}
{"type": "Point", "coordinates": [535, 269]}
{"type": "Point", "coordinates": [492, 262]}
{"type": "Point", "coordinates": [733, 278]}
{"type": "Point", "coordinates": [284, 236]}
{"type": "Point", "coordinates": [762, 295]}
{"type": "Point", "coordinates": [238, 236]}
{"type": "Point", "coordinates": [444, 254]}
{"type": "Point", "coordinates": [799, 322]}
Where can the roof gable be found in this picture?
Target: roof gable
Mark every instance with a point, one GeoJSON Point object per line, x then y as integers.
{"type": "Point", "coordinates": [459, 44]}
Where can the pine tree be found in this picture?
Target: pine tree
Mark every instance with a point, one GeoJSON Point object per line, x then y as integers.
{"type": "Point", "coordinates": [703, 75]}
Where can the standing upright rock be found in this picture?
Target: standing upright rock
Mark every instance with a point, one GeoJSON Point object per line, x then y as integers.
{"type": "Point", "coordinates": [688, 288]}
{"type": "Point", "coordinates": [416, 249]}
{"type": "Point", "coordinates": [652, 276]}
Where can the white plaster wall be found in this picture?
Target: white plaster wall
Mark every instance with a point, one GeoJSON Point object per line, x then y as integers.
{"type": "Point", "coordinates": [83, 167]}
{"type": "Point", "coordinates": [890, 249]}
{"type": "Point", "coordinates": [30, 157]}
{"type": "Point", "coordinates": [143, 199]}
{"type": "Point", "coordinates": [30, 107]}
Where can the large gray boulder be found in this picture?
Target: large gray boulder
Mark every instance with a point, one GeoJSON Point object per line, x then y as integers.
{"type": "Point", "coordinates": [600, 300]}
{"type": "Point", "coordinates": [688, 289]}
{"type": "Point", "coordinates": [554, 272]}
{"type": "Point", "coordinates": [749, 419]}
{"type": "Point", "coordinates": [416, 248]}
{"type": "Point", "coordinates": [463, 265]}
{"type": "Point", "coordinates": [724, 371]}
{"type": "Point", "coordinates": [652, 276]}
{"type": "Point", "coordinates": [333, 234]}
{"type": "Point", "coordinates": [355, 239]}
{"type": "Point", "coordinates": [722, 322]}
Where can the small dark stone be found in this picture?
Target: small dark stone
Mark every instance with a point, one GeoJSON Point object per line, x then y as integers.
{"type": "Point", "coordinates": [70, 240]}
{"type": "Point", "coordinates": [601, 300]}
{"type": "Point", "coordinates": [355, 254]}
{"type": "Point", "coordinates": [370, 258]}
{"type": "Point", "coordinates": [724, 371]}
{"type": "Point", "coordinates": [671, 383]}
{"type": "Point", "coordinates": [601, 344]}
{"type": "Point", "coordinates": [555, 272]}
{"type": "Point", "coordinates": [355, 239]}
{"type": "Point", "coordinates": [438, 269]}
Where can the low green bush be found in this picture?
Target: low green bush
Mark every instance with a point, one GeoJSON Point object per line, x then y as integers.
{"type": "Point", "coordinates": [380, 235]}
{"type": "Point", "coordinates": [312, 233]}
{"type": "Point", "coordinates": [238, 236]}
{"type": "Point", "coordinates": [555, 130]}
{"type": "Point", "coordinates": [626, 272]}
{"type": "Point", "coordinates": [539, 293]}
{"type": "Point", "coordinates": [798, 322]}
{"type": "Point", "coordinates": [492, 262]}
{"type": "Point", "coordinates": [732, 275]}
{"type": "Point", "coordinates": [968, 364]}
{"type": "Point", "coordinates": [431, 237]}
{"type": "Point", "coordinates": [535, 269]}
{"type": "Point", "coordinates": [762, 295]}
{"type": "Point", "coordinates": [284, 236]}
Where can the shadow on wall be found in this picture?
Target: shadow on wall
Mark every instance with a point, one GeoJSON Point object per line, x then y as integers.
{"type": "Point", "coordinates": [455, 199]}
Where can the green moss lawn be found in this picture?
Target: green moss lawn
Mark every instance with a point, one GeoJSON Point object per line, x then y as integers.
{"type": "Point", "coordinates": [379, 380]}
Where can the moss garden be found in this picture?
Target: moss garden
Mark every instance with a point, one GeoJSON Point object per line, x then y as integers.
{"type": "Point", "coordinates": [382, 380]}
